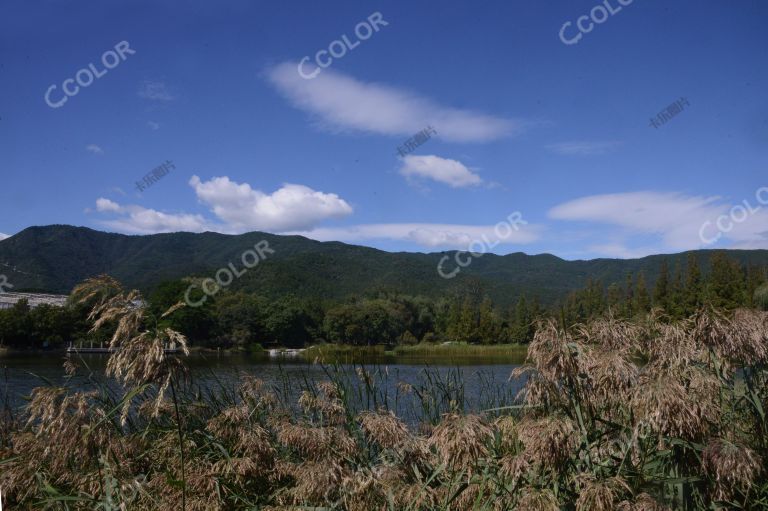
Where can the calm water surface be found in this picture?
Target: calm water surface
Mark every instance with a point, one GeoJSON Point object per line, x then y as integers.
{"type": "Point", "coordinates": [479, 383]}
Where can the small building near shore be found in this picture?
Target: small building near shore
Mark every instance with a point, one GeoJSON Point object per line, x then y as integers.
{"type": "Point", "coordinates": [8, 300]}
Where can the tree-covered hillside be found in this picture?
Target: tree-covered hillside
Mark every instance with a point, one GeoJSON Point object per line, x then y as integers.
{"type": "Point", "coordinates": [55, 258]}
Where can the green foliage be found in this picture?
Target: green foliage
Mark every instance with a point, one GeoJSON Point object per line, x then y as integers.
{"type": "Point", "coordinates": [608, 418]}
{"type": "Point", "coordinates": [197, 323]}
{"type": "Point", "coordinates": [308, 292]}
{"type": "Point", "coordinates": [642, 299]}
{"type": "Point", "coordinates": [761, 297]}
{"type": "Point", "coordinates": [728, 285]}
{"type": "Point", "coordinates": [43, 327]}
{"type": "Point", "coordinates": [661, 290]}
{"type": "Point", "coordinates": [55, 258]}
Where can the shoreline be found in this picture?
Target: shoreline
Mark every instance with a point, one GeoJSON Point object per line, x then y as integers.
{"type": "Point", "coordinates": [340, 350]}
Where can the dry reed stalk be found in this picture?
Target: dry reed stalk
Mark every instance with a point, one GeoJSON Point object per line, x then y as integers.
{"type": "Point", "coordinates": [460, 441]}
{"type": "Point", "coordinates": [734, 468]}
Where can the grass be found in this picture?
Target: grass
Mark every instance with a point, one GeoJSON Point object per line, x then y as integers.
{"type": "Point", "coordinates": [462, 350]}
{"type": "Point", "coordinates": [448, 353]}
{"type": "Point", "coordinates": [342, 352]}
{"type": "Point", "coordinates": [594, 430]}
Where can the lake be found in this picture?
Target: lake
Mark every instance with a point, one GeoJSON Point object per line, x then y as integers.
{"type": "Point", "coordinates": [399, 382]}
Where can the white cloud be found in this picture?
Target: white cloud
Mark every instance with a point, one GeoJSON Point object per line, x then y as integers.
{"type": "Point", "coordinates": [153, 125]}
{"type": "Point", "coordinates": [297, 209]}
{"type": "Point", "coordinates": [619, 251]}
{"type": "Point", "coordinates": [451, 172]}
{"type": "Point", "coordinates": [443, 236]}
{"type": "Point", "coordinates": [675, 220]}
{"type": "Point", "coordinates": [103, 205]}
{"type": "Point", "coordinates": [155, 91]}
{"type": "Point", "coordinates": [583, 148]}
{"type": "Point", "coordinates": [292, 207]}
{"type": "Point", "coordinates": [4, 236]}
{"type": "Point", "coordinates": [341, 102]}
{"type": "Point", "coordinates": [93, 148]}
{"type": "Point", "coordinates": [238, 208]}
{"type": "Point", "coordinates": [750, 233]}
{"type": "Point", "coordinates": [140, 220]}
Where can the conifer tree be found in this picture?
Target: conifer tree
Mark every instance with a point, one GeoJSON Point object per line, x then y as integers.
{"type": "Point", "coordinates": [675, 303]}
{"type": "Point", "coordinates": [629, 297]}
{"type": "Point", "coordinates": [661, 289]}
{"type": "Point", "coordinates": [693, 293]}
{"type": "Point", "coordinates": [642, 299]}
{"type": "Point", "coordinates": [727, 287]}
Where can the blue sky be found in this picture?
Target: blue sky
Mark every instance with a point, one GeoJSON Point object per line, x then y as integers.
{"type": "Point", "coordinates": [560, 133]}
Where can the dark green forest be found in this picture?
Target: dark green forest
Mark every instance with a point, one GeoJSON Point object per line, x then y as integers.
{"type": "Point", "coordinates": [236, 319]}
{"type": "Point", "coordinates": [55, 258]}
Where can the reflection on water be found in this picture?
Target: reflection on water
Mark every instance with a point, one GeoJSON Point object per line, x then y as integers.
{"type": "Point", "coordinates": [479, 383]}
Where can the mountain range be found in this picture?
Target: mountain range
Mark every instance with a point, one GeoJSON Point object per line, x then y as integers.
{"type": "Point", "coordinates": [55, 258]}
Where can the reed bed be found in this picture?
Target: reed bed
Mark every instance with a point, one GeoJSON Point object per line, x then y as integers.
{"type": "Point", "coordinates": [463, 350]}
{"type": "Point", "coordinates": [614, 415]}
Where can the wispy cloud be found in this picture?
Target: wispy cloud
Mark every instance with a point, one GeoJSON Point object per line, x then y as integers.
{"type": "Point", "coordinates": [621, 251]}
{"type": "Point", "coordinates": [133, 219]}
{"type": "Point", "coordinates": [153, 125]}
{"type": "Point", "coordinates": [663, 221]}
{"type": "Point", "coordinates": [340, 102]}
{"type": "Point", "coordinates": [93, 148]}
{"type": "Point", "coordinates": [155, 91]}
{"type": "Point", "coordinates": [584, 148]}
{"type": "Point", "coordinates": [443, 170]}
{"type": "Point", "coordinates": [434, 236]}
{"type": "Point", "coordinates": [4, 236]}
